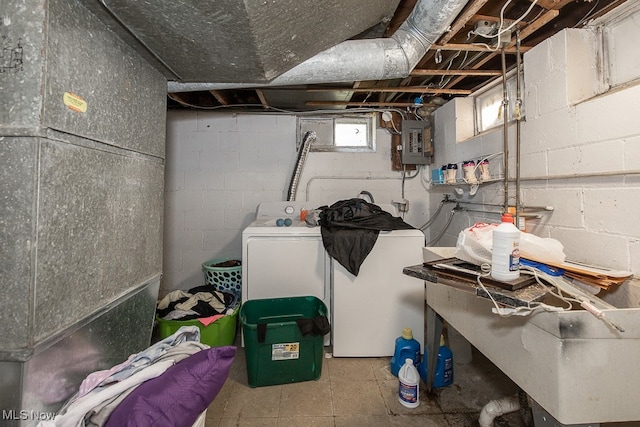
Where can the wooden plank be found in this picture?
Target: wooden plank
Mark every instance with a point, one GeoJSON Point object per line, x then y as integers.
{"type": "Point", "coordinates": [505, 22]}
{"type": "Point", "coordinates": [547, 17]}
{"type": "Point", "coordinates": [462, 20]}
{"type": "Point", "coordinates": [396, 157]}
{"type": "Point", "coordinates": [402, 12]}
{"type": "Point", "coordinates": [262, 98]}
{"type": "Point", "coordinates": [405, 89]}
{"type": "Point", "coordinates": [476, 48]}
{"type": "Point", "coordinates": [475, 66]}
{"type": "Point", "coordinates": [553, 4]}
{"type": "Point", "coordinates": [425, 72]}
{"type": "Point", "coordinates": [219, 97]}
{"type": "Point", "coordinates": [179, 98]}
{"type": "Point", "coordinates": [358, 104]}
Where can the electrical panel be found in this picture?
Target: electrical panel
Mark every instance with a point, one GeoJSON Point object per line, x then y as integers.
{"type": "Point", "coordinates": [417, 148]}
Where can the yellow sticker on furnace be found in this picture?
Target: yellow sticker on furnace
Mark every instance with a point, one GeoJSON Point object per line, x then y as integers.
{"type": "Point", "coordinates": [285, 351]}
{"type": "Point", "coordinates": [74, 102]}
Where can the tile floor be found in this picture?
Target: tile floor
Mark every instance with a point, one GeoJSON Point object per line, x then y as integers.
{"type": "Point", "coordinates": [359, 392]}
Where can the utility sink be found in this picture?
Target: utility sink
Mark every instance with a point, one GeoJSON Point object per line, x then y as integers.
{"type": "Point", "coordinates": [434, 253]}
{"type": "Point", "coordinates": [575, 366]}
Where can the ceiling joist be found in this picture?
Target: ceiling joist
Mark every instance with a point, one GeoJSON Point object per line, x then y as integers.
{"type": "Point", "coordinates": [462, 20]}
{"type": "Point", "coordinates": [358, 104]}
{"type": "Point", "coordinates": [424, 72]}
{"type": "Point", "coordinates": [407, 89]}
{"type": "Point", "coordinates": [478, 48]}
{"type": "Point", "coordinates": [262, 98]}
{"type": "Point", "coordinates": [459, 63]}
{"type": "Point", "coordinates": [219, 97]}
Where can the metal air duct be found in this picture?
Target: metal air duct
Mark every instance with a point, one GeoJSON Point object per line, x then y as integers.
{"type": "Point", "coordinates": [373, 59]}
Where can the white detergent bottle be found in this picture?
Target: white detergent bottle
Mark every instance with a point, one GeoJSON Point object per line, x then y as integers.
{"type": "Point", "coordinates": [409, 388]}
{"type": "Point", "coordinates": [505, 253]}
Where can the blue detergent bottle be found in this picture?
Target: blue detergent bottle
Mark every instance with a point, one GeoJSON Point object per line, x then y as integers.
{"type": "Point", "coordinates": [444, 366]}
{"type": "Point", "coordinates": [406, 348]}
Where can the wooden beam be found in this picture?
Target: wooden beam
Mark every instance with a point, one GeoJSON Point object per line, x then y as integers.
{"type": "Point", "coordinates": [219, 97]}
{"type": "Point", "coordinates": [424, 72]}
{"type": "Point", "coordinates": [476, 48]}
{"type": "Point", "coordinates": [462, 20]}
{"type": "Point", "coordinates": [553, 4]}
{"type": "Point", "coordinates": [525, 32]}
{"type": "Point", "coordinates": [606, 9]}
{"type": "Point", "coordinates": [359, 104]}
{"type": "Point", "coordinates": [179, 98]}
{"type": "Point", "coordinates": [505, 22]}
{"type": "Point", "coordinates": [401, 89]}
{"type": "Point", "coordinates": [262, 98]}
{"type": "Point", "coordinates": [546, 17]}
{"type": "Point", "coordinates": [402, 12]}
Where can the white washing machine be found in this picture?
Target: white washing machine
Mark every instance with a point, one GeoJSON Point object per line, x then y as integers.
{"type": "Point", "coordinates": [367, 312]}
{"type": "Point", "coordinates": [370, 310]}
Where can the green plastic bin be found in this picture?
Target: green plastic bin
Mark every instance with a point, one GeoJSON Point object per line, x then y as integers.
{"type": "Point", "coordinates": [217, 334]}
{"type": "Point", "coordinates": [285, 356]}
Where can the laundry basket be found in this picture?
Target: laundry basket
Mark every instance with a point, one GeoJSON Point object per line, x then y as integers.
{"type": "Point", "coordinates": [224, 275]}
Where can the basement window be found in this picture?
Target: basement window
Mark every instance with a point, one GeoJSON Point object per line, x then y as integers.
{"type": "Point", "coordinates": [349, 133]}
{"type": "Point", "coordinates": [489, 107]}
{"type": "Point", "coordinates": [620, 33]}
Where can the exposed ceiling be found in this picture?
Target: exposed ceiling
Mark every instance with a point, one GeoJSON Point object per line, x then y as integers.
{"type": "Point", "coordinates": [459, 62]}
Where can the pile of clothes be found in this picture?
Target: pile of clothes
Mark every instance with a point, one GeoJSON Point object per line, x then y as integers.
{"type": "Point", "coordinates": [169, 384]}
{"type": "Point", "coordinates": [204, 303]}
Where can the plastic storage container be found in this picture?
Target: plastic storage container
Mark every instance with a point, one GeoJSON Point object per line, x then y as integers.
{"type": "Point", "coordinates": [505, 252]}
{"type": "Point", "coordinates": [224, 275]}
{"type": "Point", "coordinates": [217, 334]}
{"type": "Point", "coordinates": [406, 347]}
{"type": "Point", "coordinates": [284, 355]}
{"type": "Point", "coordinates": [409, 385]}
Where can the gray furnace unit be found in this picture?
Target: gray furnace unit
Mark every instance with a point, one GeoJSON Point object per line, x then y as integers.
{"type": "Point", "coordinates": [82, 135]}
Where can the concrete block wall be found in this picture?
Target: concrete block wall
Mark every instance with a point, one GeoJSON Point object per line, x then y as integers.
{"type": "Point", "coordinates": [579, 155]}
{"type": "Point", "coordinates": [220, 166]}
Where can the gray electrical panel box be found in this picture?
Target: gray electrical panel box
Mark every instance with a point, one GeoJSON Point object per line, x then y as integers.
{"type": "Point", "coordinates": [416, 142]}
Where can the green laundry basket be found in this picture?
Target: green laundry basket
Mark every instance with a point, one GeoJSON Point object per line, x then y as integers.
{"type": "Point", "coordinates": [217, 334]}
{"type": "Point", "coordinates": [285, 355]}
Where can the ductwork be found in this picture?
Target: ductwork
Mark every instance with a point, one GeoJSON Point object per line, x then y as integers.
{"type": "Point", "coordinates": [373, 59]}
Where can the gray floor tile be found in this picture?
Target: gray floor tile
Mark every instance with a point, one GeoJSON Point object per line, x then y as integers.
{"type": "Point", "coordinates": [359, 392]}
{"type": "Point", "coordinates": [357, 398]}
{"type": "Point", "coordinates": [249, 422]}
{"type": "Point", "coordinates": [253, 402]}
{"type": "Point", "coordinates": [348, 368]}
{"type": "Point", "coordinates": [362, 421]}
{"type": "Point", "coordinates": [306, 421]}
{"type": "Point", "coordinates": [308, 398]}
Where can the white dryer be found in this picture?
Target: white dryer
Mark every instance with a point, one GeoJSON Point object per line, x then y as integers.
{"type": "Point", "coordinates": [284, 261]}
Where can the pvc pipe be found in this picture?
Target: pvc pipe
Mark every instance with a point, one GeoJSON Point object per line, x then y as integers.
{"type": "Point", "coordinates": [495, 408]}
